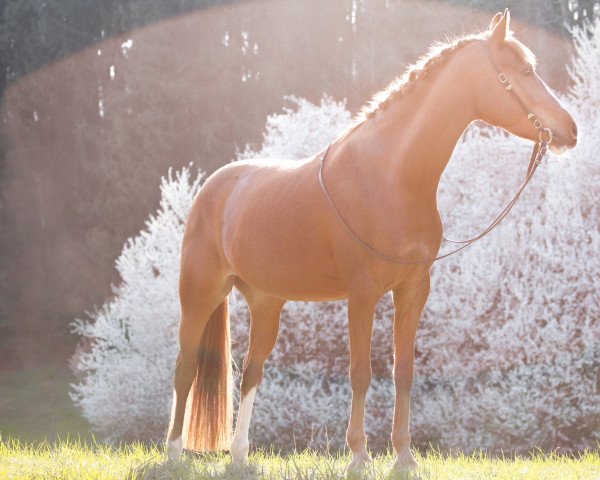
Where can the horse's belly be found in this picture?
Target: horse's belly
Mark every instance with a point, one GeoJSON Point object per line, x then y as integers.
{"type": "Point", "coordinates": [296, 289]}
{"type": "Point", "coordinates": [287, 268]}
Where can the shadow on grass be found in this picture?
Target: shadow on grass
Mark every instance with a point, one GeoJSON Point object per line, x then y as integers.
{"type": "Point", "coordinates": [261, 466]}
{"type": "Point", "coordinates": [206, 467]}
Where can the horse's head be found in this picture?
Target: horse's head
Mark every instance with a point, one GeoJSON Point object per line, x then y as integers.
{"type": "Point", "coordinates": [511, 95]}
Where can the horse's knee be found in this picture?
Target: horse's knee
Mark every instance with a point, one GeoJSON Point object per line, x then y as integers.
{"type": "Point", "coordinates": [360, 377]}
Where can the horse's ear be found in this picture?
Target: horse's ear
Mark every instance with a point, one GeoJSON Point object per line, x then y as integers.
{"type": "Point", "coordinates": [495, 20]}
{"type": "Point", "coordinates": [500, 26]}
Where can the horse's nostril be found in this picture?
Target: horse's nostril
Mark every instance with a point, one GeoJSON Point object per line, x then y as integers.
{"type": "Point", "coordinates": [574, 130]}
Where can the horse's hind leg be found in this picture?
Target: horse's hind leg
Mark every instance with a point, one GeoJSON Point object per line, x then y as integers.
{"type": "Point", "coordinates": [264, 327]}
{"type": "Point", "coordinates": [203, 301]}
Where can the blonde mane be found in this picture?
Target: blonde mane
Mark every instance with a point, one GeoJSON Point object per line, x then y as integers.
{"type": "Point", "coordinates": [437, 54]}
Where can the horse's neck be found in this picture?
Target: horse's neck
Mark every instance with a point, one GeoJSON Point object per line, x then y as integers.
{"type": "Point", "coordinates": [411, 141]}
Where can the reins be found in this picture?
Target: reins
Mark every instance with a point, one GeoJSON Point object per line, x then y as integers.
{"type": "Point", "coordinates": [539, 150]}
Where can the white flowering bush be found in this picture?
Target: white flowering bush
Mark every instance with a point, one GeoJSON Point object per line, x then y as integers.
{"type": "Point", "coordinates": [302, 129]}
{"type": "Point", "coordinates": [508, 353]}
{"type": "Point", "coordinates": [126, 387]}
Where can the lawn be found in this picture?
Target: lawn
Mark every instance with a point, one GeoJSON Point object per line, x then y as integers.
{"type": "Point", "coordinates": [72, 460]}
{"type": "Point", "coordinates": [35, 405]}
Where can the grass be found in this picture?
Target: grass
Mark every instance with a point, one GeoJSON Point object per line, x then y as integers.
{"type": "Point", "coordinates": [78, 460]}
{"type": "Point", "coordinates": [35, 408]}
{"type": "Point", "coordinates": [35, 405]}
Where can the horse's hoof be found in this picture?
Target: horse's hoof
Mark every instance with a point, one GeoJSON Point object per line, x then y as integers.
{"type": "Point", "coordinates": [239, 453]}
{"type": "Point", "coordinates": [239, 459]}
{"type": "Point", "coordinates": [174, 449]}
{"type": "Point", "coordinates": [407, 467]}
{"type": "Point", "coordinates": [359, 463]}
{"type": "Point", "coordinates": [402, 467]}
{"type": "Point", "coordinates": [405, 460]}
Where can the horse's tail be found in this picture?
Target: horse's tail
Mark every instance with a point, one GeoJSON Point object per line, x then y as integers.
{"type": "Point", "coordinates": [209, 411]}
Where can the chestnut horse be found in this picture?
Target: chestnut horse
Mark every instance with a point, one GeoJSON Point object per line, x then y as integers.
{"type": "Point", "coordinates": [269, 229]}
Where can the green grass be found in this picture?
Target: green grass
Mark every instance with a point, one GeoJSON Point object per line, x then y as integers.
{"type": "Point", "coordinates": [75, 460]}
{"type": "Point", "coordinates": [35, 405]}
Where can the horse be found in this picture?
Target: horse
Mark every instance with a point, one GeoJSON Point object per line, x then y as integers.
{"type": "Point", "coordinates": [357, 226]}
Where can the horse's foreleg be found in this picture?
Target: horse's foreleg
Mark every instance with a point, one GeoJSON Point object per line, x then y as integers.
{"type": "Point", "coordinates": [264, 326]}
{"type": "Point", "coordinates": [408, 304]}
{"type": "Point", "coordinates": [360, 326]}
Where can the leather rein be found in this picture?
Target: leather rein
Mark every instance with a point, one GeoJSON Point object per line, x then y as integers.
{"type": "Point", "coordinates": [539, 150]}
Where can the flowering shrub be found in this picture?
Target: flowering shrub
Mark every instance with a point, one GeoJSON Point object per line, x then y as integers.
{"type": "Point", "coordinates": [300, 132]}
{"type": "Point", "coordinates": [126, 390]}
{"type": "Point", "coordinates": [508, 353]}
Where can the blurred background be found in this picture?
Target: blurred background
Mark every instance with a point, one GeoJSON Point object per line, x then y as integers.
{"type": "Point", "coordinates": [100, 97]}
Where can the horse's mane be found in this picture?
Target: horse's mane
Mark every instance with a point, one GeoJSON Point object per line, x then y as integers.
{"type": "Point", "coordinates": [437, 54]}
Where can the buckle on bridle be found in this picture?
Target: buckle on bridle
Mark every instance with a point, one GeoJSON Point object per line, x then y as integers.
{"type": "Point", "coordinates": [543, 145]}
{"type": "Point", "coordinates": [548, 132]}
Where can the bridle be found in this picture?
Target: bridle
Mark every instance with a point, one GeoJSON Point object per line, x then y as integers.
{"type": "Point", "coordinates": [541, 146]}
{"type": "Point", "coordinates": [539, 150]}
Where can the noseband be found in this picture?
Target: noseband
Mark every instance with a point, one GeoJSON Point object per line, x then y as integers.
{"type": "Point", "coordinates": [539, 150]}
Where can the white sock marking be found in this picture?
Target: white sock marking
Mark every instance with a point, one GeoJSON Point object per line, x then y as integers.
{"type": "Point", "coordinates": [240, 443]}
{"type": "Point", "coordinates": [174, 448]}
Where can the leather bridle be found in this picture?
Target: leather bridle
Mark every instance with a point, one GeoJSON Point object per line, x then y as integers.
{"type": "Point", "coordinates": [539, 150]}
{"type": "Point", "coordinates": [542, 144]}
